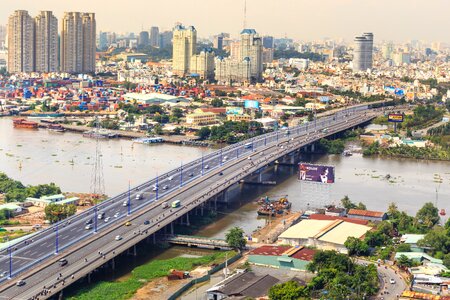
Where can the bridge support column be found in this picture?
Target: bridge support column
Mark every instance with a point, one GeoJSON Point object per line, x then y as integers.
{"type": "Point", "coordinates": [187, 220]}
{"type": "Point", "coordinates": [201, 209]}
{"type": "Point", "coordinates": [134, 251]}
{"type": "Point", "coordinates": [215, 204]}
{"type": "Point", "coordinates": [60, 296]}
{"type": "Point", "coordinates": [260, 179]}
{"type": "Point", "coordinates": [154, 239]}
{"type": "Point", "coordinates": [113, 263]}
{"type": "Point", "coordinates": [313, 147]}
{"type": "Point", "coordinates": [171, 228]}
{"type": "Point", "coordinates": [89, 278]}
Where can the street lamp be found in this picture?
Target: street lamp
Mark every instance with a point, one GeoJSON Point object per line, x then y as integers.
{"type": "Point", "coordinates": [157, 186]}
{"type": "Point", "coordinates": [56, 240]}
{"type": "Point", "coordinates": [181, 175]}
{"type": "Point", "coordinates": [129, 198]}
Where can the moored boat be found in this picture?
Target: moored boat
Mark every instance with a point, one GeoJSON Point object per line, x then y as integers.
{"type": "Point", "coordinates": [23, 123]}
{"type": "Point", "coordinates": [56, 128]}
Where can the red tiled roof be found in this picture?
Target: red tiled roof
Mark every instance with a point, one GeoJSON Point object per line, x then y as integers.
{"type": "Point", "coordinates": [366, 213]}
{"type": "Point", "coordinates": [350, 220]}
{"type": "Point", "coordinates": [270, 250]}
{"type": "Point", "coordinates": [304, 254]}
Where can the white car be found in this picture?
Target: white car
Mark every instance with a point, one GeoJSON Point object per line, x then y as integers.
{"type": "Point", "coordinates": [116, 215]}
{"type": "Point", "coordinates": [106, 219]}
{"type": "Point", "coordinates": [125, 203]}
{"type": "Point", "coordinates": [170, 177]}
{"type": "Point", "coordinates": [118, 238]}
{"type": "Point", "coordinates": [165, 187]}
{"type": "Point", "coordinates": [206, 167]}
{"type": "Point", "coordinates": [88, 227]}
{"type": "Point", "coordinates": [392, 281]}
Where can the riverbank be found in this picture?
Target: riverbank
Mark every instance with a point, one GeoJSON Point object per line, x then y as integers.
{"type": "Point", "coordinates": [143, 275]}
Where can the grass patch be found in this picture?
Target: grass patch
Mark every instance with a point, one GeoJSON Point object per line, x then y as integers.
{"type": "Point", "coordinates": [139, 276]}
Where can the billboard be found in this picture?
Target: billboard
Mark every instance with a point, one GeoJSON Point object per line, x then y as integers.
{"type": "Point", "coordinates": [251, 104]}
{"type": "Point", "coordinates": [316, 173]}
{"type": "Point", "coordinates": [395, 118]}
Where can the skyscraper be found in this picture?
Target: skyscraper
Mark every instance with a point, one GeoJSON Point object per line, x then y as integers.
{"type": "Point", "coordinates": [218, 42]}
{"type": "Point", "coordinates": [46, 35]}
{"type": "Point", "coordinates": [103, 41]}
{"type": "Point", "coordinates": [78, 42]}
{"type": "Point", "coordinates": [362, 54]}
{"type": "Point", "coordinates": [154, 36]}
{"type": "Point", "coordinates": [251, 47]}
{"type": "Point", "coordinates": [165, 39]}
{"type": "Point", "coordinates": [2, 36]}
{"type": "Point", "coordinates": [20, 42]}
{"type": "Point", "coordinates": [268, 42]}
{"type": "Point", "coordinates": [144, 38]}
{"type": "Point", "coordinates": [184, 46]}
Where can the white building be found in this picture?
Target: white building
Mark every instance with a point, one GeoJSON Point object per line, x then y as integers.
{"type": "Point", "coordinates": [20, 42]}
{"type": "Point", "coordinates": [46, 29]}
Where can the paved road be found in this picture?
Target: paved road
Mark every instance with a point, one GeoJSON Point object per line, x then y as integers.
{"type": "Point", "coordinates": [219, 169]}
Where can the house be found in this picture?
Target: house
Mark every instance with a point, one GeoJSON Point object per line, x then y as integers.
{"type": "Point", "coordinates": [418, 257]}
{"type": "Point", "coordinates": [282, 257]}
{"type": "Point", "coordinates": [14, 209]}
{"type": "Point", "coordinates": [53, 199]}
{"type": "Point", "coordinates": [412, 239]}
{"type": "Point", "coordinates": [335, 211]}
{"type": "Point", "coordinates": [242, 285]}
{"type": "Point", "coordinates": [201, 118]}
{"type": "Point", "coordinates": [370, 215]}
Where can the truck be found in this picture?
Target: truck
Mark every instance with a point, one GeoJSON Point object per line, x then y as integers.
{"type": "Point", "coordinates": [176, 203]}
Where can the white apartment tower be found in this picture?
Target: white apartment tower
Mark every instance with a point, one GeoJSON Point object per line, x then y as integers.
{"type": "Point", "coordinates": [184, 47]}
{"type": "Point", "coordinates": [363, 52]}
{"type": "Point", "coordinates": [20, 42]}
{"type": "Point", "coordinates": [251, 47]}
{"type": "Point", "coordinates": [46, 45]}
{"type": "Point", "coordinates": [78, 42]}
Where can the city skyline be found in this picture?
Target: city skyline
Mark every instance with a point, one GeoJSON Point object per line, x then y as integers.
{"type": "Point", "coordinates": [302, 20]}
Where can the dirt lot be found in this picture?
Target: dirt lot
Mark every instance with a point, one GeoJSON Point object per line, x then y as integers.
{"type": "Point", "coordinates": [270, 232]}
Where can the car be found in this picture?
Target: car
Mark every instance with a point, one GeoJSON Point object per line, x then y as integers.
{"type": "Point", "coordinates": [101, 215]}
{"type": "Point", "coordinates": [20, 282]}
{"type": "Point", "coordinates": [191, 174]}
{"type": "Point", "coordinates": [170, 178]}
{"type": "Point", "coordinates": [155, 188]}
{"type": "Point", "coordinates": [146, 222]}
{"type": "Point", "coordinates": [37, 226]}
{"type": "Point", "coordinates": [63, 262]}
{"type": "Point", "coordinates": [3, 274]}
{"type": "Point", "coordinates": [392, 281]}
{"type": "Point", "coordinates": [106, 219]}
{"type": "Point", "coordinates": [116, 214]}
{"type": "Point", "coordinates": [165, 187]}
{"type": "Point", "coordinates": [249, 158]}
{"type": "Point", "coordinates": [89, 222]}
{"type": "Point", "coordinates": [165, 205]}
{"type": "Point", "coordinates": [118, 238]}
{"type": "Point", "coordinates": [88, 227]}
{"type": "Point", "coordinates": [206, 167]}
{"type": "Point", "coordinates": [221, 173]}
{"type": "Point", "coordinates": [139, 197]}
{"type": "Point", "coordinates": [125, 203]}
{"type": "Point", "coordinates": [127, 223]}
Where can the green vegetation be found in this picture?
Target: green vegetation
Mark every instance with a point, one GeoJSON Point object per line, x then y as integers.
{"type": "Point", "coordinates": [235, 238]}
{"type": "Point", "coordinates": [118, 290]}
{"type": "Point", "coordinates": [356, 246]}
{"type": "Point", "coordinates": [405, 151]}
{"type": "Point", "coordinates": [331, 146]}
{"type": "Point", "coordinates": [289, 290]}
{"type": "Point", "coordinates": [15, 191]}
{"type": "Point", "coordinates": [231, 132]}
{"type": "Point", "coordinates": [295, 54]}
{"type": "Point", "coordinates": [216, 102]}
{"type": "Point", "coordinates": [348, 204]}
{"type": "Point", "coordinates": [341, 277]}
{"type": "Point", "coordinates": [58, 212]}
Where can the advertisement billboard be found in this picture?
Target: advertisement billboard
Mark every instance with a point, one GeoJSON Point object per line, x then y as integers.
{"type": "Point", "coordinates": [251, 104]}
{"type": "Point", "coordinates": [316, 173]}
{"type": "Point", "coordinates": [395, 118]}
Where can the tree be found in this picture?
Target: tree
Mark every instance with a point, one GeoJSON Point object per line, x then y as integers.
{"type": "Point", "coordinates": [57, 212]}
{"type": "Point", "coordinates": [43, 190]}
{"type": "Point", "coordinates": [404, 248]}
{"type": "Point", "coordinates": [216, 102]}
{"type": "Point", "coordinates": [356, 247]}
{"type": "Point", "coordinates": [204, 133]}
{"type": "Point", "coordinates": [438, 239]}
{"type": "Point", "coordinates": [404, 262]}
{"type": "Point", "coordinates": [289, 290]}
{"type": "Point", "coordinates": [428, 215]}
{"type": "Point", "coordinates": [235, 238]}
{"type": "Point", "coordinates": [177, 112]}
{"type": "Point", "coordinates": [157, 129]}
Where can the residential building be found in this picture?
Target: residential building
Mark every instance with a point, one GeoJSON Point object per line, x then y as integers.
{"type": "Point", "coordinates": [251, 47]}
{"type": "Point", "coordinates": [144, 38]}
{"type": "Point", "coordinates": [2, 37]}
{"type": "Point", "coordinates": [374, 216]}
{"type": "Point", "coordinates": [154, 36]}
{"type": "Point", "coordinates": [418, 257]}
{"type": "Point", "coordinates": [46, 36]}
{"type": "Point", "coordinates": [282, 257]}
{"type": "Point", "coordinates": [412, 240]}
{"type": "Point", "coordinates": [54, 199]}
{"type": "Point", "coordinates": [201, 118]}
{"type": "Point", "coordinates": [267, 42]}
{"type": "Point", "coordinates": [103, 42]}
{"type": "Point", "coordinates": [203, 64]}
{"type": "Point", "coordinates": [165, 39]}
{"type": "Point", "coordinates": [21, 49]}
{"type": "Point", "coordinates": [323, 234]}
{"type": "Point", "coordinates": [78, 42]}
{"type": "Point", "coordinates": [218, 42]}
{"type": "Point", "coordinates": [14, 209]}
{"type": "Point", "coordinates": [363, 52]}
{"type": "Point", "coordinates": [242, 285]}
{"type": "Point", "coordinates": [267, 55]}
{"type": "Point", "coordinates": [184, 47]}
{"type": "Point", "coordinates": [239, 118]}
{"type": "Point", "coordinates": [229, 70]}
{"type": "Point", "coordinates": [387, 50]}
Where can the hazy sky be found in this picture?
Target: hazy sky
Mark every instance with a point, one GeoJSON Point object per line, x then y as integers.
{"type": "Point", "coordinates": [399, 20]}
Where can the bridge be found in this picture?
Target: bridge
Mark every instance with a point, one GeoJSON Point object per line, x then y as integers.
{"type": "Point", "coordinates": [87, 242]}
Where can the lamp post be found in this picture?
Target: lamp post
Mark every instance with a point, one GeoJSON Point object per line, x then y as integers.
{"type": "Point", "coordinates": [56, 239]}
{"type": "Point", "coordinates": [181, 175]}
{"type": "Point", "coordinates": [129, 198]}
{"type": "Point", "coordinates": [157, 186]}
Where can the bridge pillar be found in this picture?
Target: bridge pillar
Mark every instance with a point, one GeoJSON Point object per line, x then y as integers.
{"type": "Point", "coordinates": [201, 209]}
{"type": "Point", "coordinates": [60, 296]}
{"type": "Point", "coordinates": [171, 228]}
{"type": "Point", "coordinates": [154, 239]}
{"type": "Point", "coordinates": [313, 147]}
{"type": "Point", "coordinates": [134, 251]}
{"type": "Point", "coordinates": [89, 278]}
{"type": "Point", "coordinates": [215, 204]}
{"type": "Point", "coordinates": [113, 263]}
{"type": "Point", "coordinates": [187, 220]}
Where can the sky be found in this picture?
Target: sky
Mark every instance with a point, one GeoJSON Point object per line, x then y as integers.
{"type": "Point", "coordinates": [397, 20]}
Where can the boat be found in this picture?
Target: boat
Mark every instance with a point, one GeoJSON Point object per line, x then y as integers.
{"type": "Point", "coordinates": [347, 153]}
{"type": "Point", "coordinates": [45, 115]}
{"type": "Point", "coordinates": [149, 140]}
{"type": "Point", "coordinates": [100, 133]}
{"type": "Point", "coordinates": [270, 207]}
{"type": "Point", "coordinates": [56, 128]}
{"type": "Point", "coordinates": [23, 123]}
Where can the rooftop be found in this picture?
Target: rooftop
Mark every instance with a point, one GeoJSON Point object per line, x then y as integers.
{"type": "Point", "coordinates": [411, 238]}
{"type": "Point", "coordinates": [270, 250]}
{"type": "Point", "coordinates": [350, 220]}
{"type": "Point", "coordinates": [365, 213]}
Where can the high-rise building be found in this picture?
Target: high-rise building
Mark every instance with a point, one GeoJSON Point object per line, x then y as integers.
{"type": "Point", "coordinates": [165, 39]}
{"type": "Point", "coordinates": [387, 50]}
{"type": "Point", "coordinates": [268, 42]}
{"type": "Point", "coordinates": [103, 41]}
{"type": "Point", "coordinates": [154, 37]}
{"type": "Point", "coordinates": [363, 51]}
{"type": "Point", "coordinates": [144, 38]}
{"type": "Point", "coordinates": [46, 36]}
{"type": "Point", "coordinates": [184, 47]}
{"type": "Point", "coordinates": [218, 42]}
{"type": "Point", "coordinates": [20, 42]}
{"type": "Point", "coordinates": [251, 47]}
{"type": "Point", "coordinates": [78, 42]}
{"type": "Point", "coordinates": [2, 37]}
{"type": "Point", "coordinates": [203, 64]}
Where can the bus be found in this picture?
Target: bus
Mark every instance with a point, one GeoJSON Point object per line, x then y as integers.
{"type": "Point", "coordinates": [248, 145]}
{"type": "Point", "coordinates": [176, 203]}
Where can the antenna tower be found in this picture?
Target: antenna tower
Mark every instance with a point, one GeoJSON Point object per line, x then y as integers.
{"type": "Point", "coordinates": [97, 180]}
{"type": "Point", "coordinates": [245, 14]}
